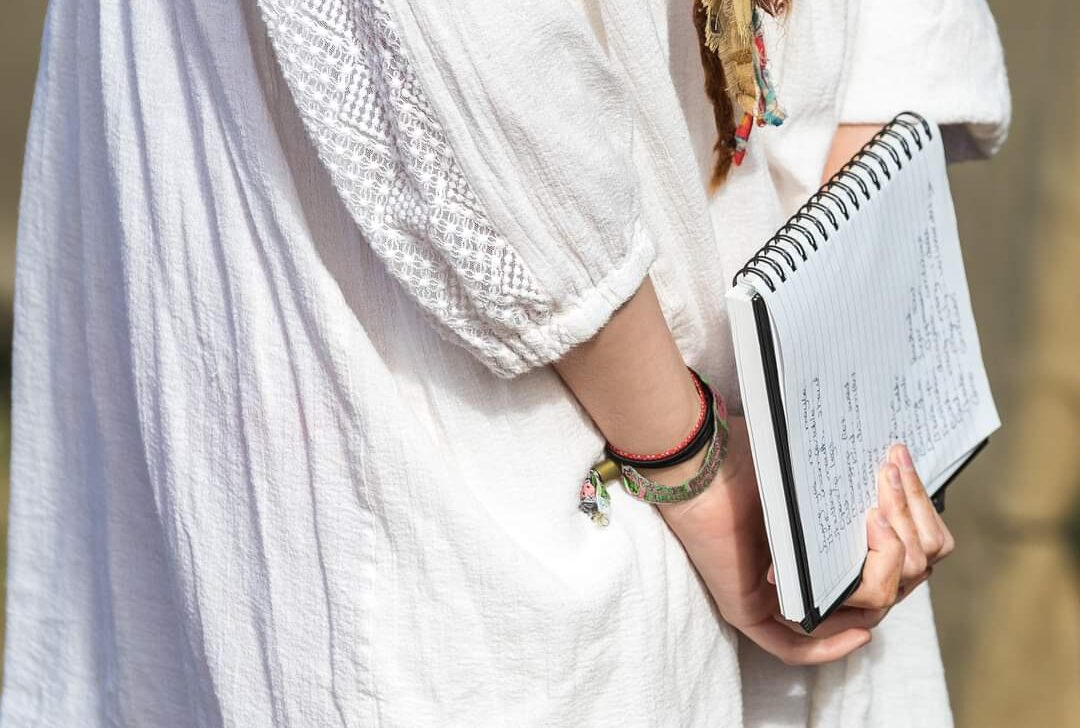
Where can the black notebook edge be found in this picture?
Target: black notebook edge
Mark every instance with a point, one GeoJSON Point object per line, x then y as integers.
{"type": "Point", "coordinates": [938, 498]}
{"type": "Point", "coordinates": [812, 615]}
{"type": "Point", "coordinates": [783, 452]}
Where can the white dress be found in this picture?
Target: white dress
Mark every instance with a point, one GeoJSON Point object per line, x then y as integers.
{"type": "Point", "coordinates": [286, 450]}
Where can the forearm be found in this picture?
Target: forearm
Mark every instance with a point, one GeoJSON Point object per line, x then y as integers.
{"type": "Point", "coordinates": [632, 380]}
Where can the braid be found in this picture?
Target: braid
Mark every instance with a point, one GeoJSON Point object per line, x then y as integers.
{"type": "Point", "coordinates": [717, 86]}
{"type": "Point", "coordinates": [723, 110]}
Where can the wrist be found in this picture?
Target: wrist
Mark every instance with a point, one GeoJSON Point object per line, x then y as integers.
{"type": "Point", "coordinates": [676, 475]}
{"type": "Point", "coordinates": [665, 429]}
{"type": "Point", "coordinates": [736, 472]}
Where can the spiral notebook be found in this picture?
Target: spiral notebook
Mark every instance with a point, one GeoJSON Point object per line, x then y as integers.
{"type": "Point", "coordinates": [853, 329]}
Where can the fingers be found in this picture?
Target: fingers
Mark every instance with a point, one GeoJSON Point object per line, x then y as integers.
{"type": "Point", "coordinates": [930, 528]}
{"type": "Point", "coordinates": [884, 565]}
{"type": "Point", "coordinates": [845, 631]}
{"type": "Point", "coordinates": [800, 649]}
{"type": "Point", "coordinates": [895, 506]}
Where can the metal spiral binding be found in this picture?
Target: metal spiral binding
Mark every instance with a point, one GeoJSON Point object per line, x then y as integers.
{"type": "Point", "coordinates": [873, 166]}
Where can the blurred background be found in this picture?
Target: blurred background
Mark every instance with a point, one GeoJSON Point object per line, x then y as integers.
{"type": "Point", "coordinates": [1008, 601]}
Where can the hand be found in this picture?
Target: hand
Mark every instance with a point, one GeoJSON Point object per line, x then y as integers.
{"type": "Point", "coordinates": [724, 535]}
{"type": "Point", "coordinates": [905, 514]}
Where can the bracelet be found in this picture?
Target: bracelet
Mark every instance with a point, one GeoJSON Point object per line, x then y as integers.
{"type": "Point", "coordinates": [594, 500]}
{"type": "Point", "coordinates": [686, 449]}
{"type": "Point", "coordinates": [640, 487]}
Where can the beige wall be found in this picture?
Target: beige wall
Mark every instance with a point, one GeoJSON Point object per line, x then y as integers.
{"type": "Point", "coordinates": [1008, 602]}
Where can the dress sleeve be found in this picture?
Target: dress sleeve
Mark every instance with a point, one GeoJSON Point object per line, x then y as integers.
{"type": "Point", "coordinates": [942, 58]}
{"type": "Point", "coordinates": [485, 152]}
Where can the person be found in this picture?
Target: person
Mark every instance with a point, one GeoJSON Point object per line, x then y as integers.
{"type": "Point", "coordinates": [323, 310]}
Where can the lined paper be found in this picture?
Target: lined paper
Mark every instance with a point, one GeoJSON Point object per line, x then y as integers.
{"type": "Point", "coordinates": [877, 344]}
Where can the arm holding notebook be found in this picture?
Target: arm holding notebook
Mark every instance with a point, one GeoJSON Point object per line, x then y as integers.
{"type": "Point", "coordinates": [648, 402]}
{"type": "Point", "coordinates": [646, 405]}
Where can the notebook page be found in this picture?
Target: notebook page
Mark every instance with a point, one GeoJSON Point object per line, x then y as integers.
{"type": "Point", "coordinates": [877, 344]}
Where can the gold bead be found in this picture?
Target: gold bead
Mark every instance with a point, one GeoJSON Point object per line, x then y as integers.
{"type": "Point", "coordinates": [607, 470]}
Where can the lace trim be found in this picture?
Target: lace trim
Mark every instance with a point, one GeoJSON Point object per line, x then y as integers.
{"type": "Point", "coordinates": [367, 115]}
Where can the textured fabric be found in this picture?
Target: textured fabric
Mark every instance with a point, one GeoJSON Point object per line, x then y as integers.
{"type": "Point", "coordinates": [285, 450]}
{"type": "Point", "coordinates": [950, 84]}
{"type": "Point", "coordinates": [387, 154]}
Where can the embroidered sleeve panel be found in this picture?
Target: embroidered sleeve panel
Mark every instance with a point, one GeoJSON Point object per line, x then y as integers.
{"type": "Point", "coordinates": [365, 110]}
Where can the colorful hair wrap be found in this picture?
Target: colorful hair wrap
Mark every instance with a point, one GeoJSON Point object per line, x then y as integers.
{"type": "Point", "coordinates": [736, 66]}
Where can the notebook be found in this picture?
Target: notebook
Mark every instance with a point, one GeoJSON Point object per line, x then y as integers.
{"type": "Point", "coordinates": [853, 330]}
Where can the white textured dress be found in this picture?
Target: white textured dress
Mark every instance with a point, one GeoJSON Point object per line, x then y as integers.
{"type": "Point", "coordinates": [286, 448]}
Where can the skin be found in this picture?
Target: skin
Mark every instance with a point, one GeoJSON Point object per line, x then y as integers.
{"type": "Point", "coordinates": [648, 402]}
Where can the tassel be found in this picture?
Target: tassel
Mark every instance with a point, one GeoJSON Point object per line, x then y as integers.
{"type": "Point", "coordinates": [769, 110]}
{"type": "Point", "coordinates": [736, 66]}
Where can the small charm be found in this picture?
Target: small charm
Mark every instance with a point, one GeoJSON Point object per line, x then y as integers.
{"type": "Point", "coordinates": [593, 499]}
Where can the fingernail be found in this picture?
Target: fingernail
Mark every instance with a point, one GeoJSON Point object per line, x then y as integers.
{"type": "Point", "coordinates": [905, 459]}
{"type": "Point", "coordinates": [882, 520]}
{"type": "Point", "coordinates": [894, 477]}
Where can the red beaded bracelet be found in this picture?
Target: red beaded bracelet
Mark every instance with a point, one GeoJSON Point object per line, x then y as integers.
{"type": "Point", "coordinates": [689, 445]}
{"type": "Point", "coordinates": [595, 501]}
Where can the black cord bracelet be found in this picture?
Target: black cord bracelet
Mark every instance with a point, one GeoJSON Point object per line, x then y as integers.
{"type": "Point", "coordinates": [692, 448]}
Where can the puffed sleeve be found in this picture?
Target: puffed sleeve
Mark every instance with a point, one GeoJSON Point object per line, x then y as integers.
{"type": "Point", "coordinates": [942, 58]}
{"type": "Point", "coordinates": [485, 151]}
